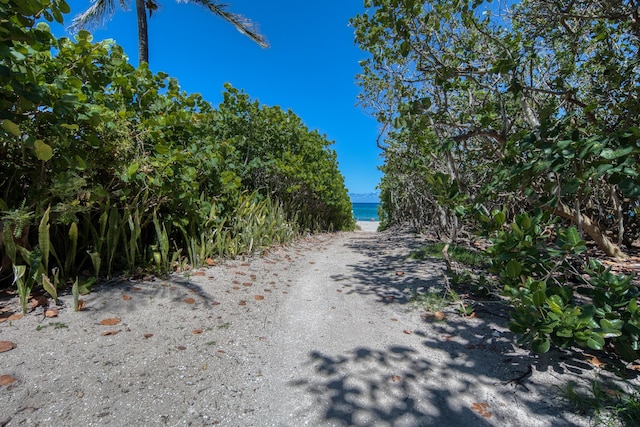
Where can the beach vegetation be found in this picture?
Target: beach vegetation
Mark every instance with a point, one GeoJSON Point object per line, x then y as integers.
{"type": "Point", "coordinates": [459, 253]}
{"type": "Point", "coordinates": [107, 169]}
{"type": "Point", "coordinates": [517, 122]}
{"type": "Point", "coordinates": [607, 404]}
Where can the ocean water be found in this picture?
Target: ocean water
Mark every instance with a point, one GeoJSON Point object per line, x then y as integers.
{"type": "Point", "coordinates": [365, 211]}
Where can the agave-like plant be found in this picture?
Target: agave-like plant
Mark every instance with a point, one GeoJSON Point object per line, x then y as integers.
{"type": "Point", "coordinates": [102, 10]}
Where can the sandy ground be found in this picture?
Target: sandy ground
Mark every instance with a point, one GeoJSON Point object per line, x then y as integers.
{"type": "Point", "coordinates": [368, 226]}
{"type": "Point", "coordinates": [319, 333]}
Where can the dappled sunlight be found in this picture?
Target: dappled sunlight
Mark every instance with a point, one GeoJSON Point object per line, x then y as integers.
{"type": "Point", "coordinates": [388, 273]}
{"type": "Point", "coordinates": [457, 370]}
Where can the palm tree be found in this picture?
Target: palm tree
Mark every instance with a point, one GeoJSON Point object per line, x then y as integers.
{"type": "Point", "coordinates": [102, 10]}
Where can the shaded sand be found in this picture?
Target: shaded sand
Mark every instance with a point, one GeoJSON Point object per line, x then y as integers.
{"type": "Point", "coordinates": [368, 226]}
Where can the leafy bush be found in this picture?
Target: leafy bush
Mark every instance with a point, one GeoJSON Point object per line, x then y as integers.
{"type": "Point", "coordinates": [540, 278]}
{"type": "Point", "coordinates": [106, 167]}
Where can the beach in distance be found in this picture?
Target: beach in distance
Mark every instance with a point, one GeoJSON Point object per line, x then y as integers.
{"type": "Point", "coordinates": [366, 216]}
{"type": "Point", "coordinates": [368, 226]}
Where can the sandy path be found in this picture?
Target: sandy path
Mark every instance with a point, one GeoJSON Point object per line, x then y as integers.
{"type": "Point", "coordinates": [317, 333]}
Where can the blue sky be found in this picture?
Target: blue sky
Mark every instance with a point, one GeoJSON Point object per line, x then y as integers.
{"type": "Point", "coordinates": [310, 67]}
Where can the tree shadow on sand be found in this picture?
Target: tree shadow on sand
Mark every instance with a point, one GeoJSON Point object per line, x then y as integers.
{"type": "Point", "coordinates": [388, 273]}
{"type": "Point", "coordinates": [461, 371]}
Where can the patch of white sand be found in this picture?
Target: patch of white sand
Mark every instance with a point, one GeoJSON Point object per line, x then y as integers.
{"type": "Point", "coordinates": [368, 226]}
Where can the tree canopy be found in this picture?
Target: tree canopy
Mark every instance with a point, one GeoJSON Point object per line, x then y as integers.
{"type": "Point", "coordinates": [534, 105]}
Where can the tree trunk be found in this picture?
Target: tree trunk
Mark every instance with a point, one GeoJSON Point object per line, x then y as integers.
{"type": "Point", "coordinates": [592, 229]}
{"type": "Point", "coordinates": [143, 34]}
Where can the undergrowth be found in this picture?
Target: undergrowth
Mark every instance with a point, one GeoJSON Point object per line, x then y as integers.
{"type": "Point", "coordinates": [461, 254]}
{"type": "Point", "coordinates": [607, 405]}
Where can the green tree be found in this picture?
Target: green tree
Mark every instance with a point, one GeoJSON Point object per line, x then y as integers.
{"type": "Point", "coordinates": [102, 10]}
{"type": "Point", "coordinates": [515, 107]}
{"type": "Point", "coordinates": [527, 118]}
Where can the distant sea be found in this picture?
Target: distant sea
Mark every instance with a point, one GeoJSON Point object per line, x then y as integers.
{"type": "Point", "coordinates": [365, 211]}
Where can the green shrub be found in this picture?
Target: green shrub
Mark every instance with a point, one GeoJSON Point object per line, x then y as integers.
{"type": "Point", "coordinates": [109, 168]}
{"type": "Point", "coordinates": [540, 276]}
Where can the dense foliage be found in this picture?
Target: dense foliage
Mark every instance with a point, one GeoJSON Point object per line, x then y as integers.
{"type": "Point", "coordinates": [493, 116]}
{"type": "Point", "coordinates": [106, 167]}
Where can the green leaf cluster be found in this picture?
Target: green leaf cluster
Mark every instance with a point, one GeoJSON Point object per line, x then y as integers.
{"type": "Point", "coordinates": [541, 281]}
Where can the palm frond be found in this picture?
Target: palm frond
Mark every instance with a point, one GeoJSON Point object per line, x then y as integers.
{"type": "Point", "coordinates": [242, 24]}
{"type": "Point", "coordinates": [96, 15]}
{"type": "Point", "coordinates": [152, 6]}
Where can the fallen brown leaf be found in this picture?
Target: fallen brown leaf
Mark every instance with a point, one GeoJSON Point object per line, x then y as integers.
{"type": "Point", "coordinates": [81, 304]}
{"type": "Point", "coordinates": [247, 284]}
{"type": "Point", "coordinates": [111, 321]}
{"type": "Point", "coordinates": [7, 379]}
{"type": "Point", "coordinates": [594, 361]}
{"type": "Point", "coordinates": [393, 319]}
{"type": "Point", "coordinates": [481, 408]}
{"type": "Point", "coordinates": [51, 312]}
{"type": "Point", "coordinates": [258, 297]}
{"type": "Point", "coordinates": [399, 273]}
{"type": "Point", "coordinates": [39, 301]}
{"type": "Point", "coordinates": [215, 303]}
{"type": "Point", "coordinates": [148, 335]}
{"type": "Point", "coordinates": [16, 316]}
{"type": "Point", "coordinates": [126, 297]}
{"type": "Point", "coordinates": [396, 378]}
{"type": "Point", "coordinates": [197, 331]}
{"type": "Point", "coordinates": [135, 288]}
{"type": "Point", "coordinates": [181, 347]}
{"type": "Point", "coordinates": [198, 273]}
{"type": "Point", "coordinates": [210, 262]}
{"type": "Point", "coordinates": [439, 315]}
{"type": "Point", "coordinates": [105, 333]}
{"type": "Point", "coordinates": [611, 392]}
{"type": "Point", "coordinates": [242, 303]}
{"type": "Point", "coordinates": [408, 332]}
{"type": "Point", "coordinates": [189, 300]}
{"type": "Point", "coordinates": [6, 346]}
